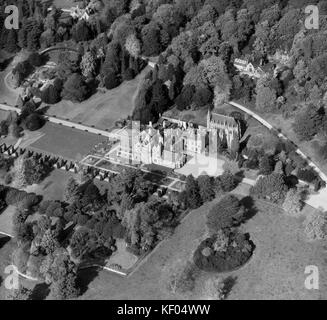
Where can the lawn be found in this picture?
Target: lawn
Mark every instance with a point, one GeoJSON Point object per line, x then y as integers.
{"type": "Point", "coordinates": [53, 186]}
{"type": "Point", "coordinates": [65, 142]}
{"type": "Point", "coordinates": [102, 109]}
{"type": "Point", "coordinates": [276, 270]}
{"type": "Point", "coordinates": [122, 257]}
{"type": "Point", "coordinates": [6, 225]}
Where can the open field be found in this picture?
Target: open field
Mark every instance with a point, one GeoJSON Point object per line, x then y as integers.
{"type": "Point", "coordinates": [122, 257]}
{"type": "Point", "coordinates": [101, 110]}
{"type": "Point", "coordinates": [66, 142]}
{"type": "Point", "coordinates": [53, 186]}
{"type": "Point", "coordinates": [6, 224]}
{"type": "Point", "coordinates": [276, 270]}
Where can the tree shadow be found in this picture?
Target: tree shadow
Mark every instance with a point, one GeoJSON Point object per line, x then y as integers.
{"type": "Point", "coordinates": [244, 143]}
{"type": "Point", "coordinates": [229, 284]}
{"type": "Point", "coordinates": [40, 291]}
{"type": "Point", "coordinates": [239, 176]}
{"type": "Point", "coordinates": [43, 110]}
{"type": "Point", "coordinates": [4, 240]}
{"type": "Point", "coordinates": [5, 63]}
{"type": "Point", "coordinates": [85, 277]}
{"type": "Point", "coordinates": [250, 209]}
{"type": "Point", "coordinates": [291, 181]}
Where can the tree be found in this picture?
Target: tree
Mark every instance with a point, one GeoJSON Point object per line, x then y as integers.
{"type": "Point", "coordinates": [81, 31]}
{"type": "Point", "coordinates": [21, 71]}
{"type": "Point", "coordinates": [192, 193]}
{"type": "Point", "coordinates": [160, 98]}
{"type": "Point", "coordinates": [266, 165]}
{"type": "Point", "coordinates": [266, 95]}
{"type": "Point", "coordinates": [89, 64]}
{"type": "Point", "coordinates": [151, 40]}
{"type": "Point", "coordinates": [185, 98]}
{"type": "Point", "coordinates": [226, 214]}
{"type": "Point", "coordinates": [11, 44]}
{"type": "Point", "coordinates": [28, 171]}
{"type": "Point", "coordinates": [308, 122]}
{"type": "Point", "coordinates": [271, 187]}
{"type": "Point", "coordinates": [59, 270]}
{"type": "Point", "coordinates": [293, 202]}
{"type": "Point", "coordinates": [49, 242]}
{"type": "Point", "coordinates": [111, 80]}
{"type": "Point", "coordinates": [75, 88]}
{"type": "Point", "coordinates": [34, 122]}
{"type": "Point", "coordinates": [226, 182]}
{"type": "Point", "coordinates": [52, 93]}
{"type": "Point", "coordinates": [133, 45]}
{"type": "Point", "coordinates": [202, 97]}
{"type": "Point", "coordinates": [19, 176]}
{"type": "Point", "coordinates": [71, 190]}
{"type": "Point", "coordinates": [35, 59]}
{"type": "Point", "coordinates": [206, 186]}
{"type": "Point", "coordinates": [33, 37]}
{"type": "Point", "coordinates": [231, 166]}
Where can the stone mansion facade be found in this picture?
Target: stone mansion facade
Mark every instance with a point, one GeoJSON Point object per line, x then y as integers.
{"type": "Point", "coordinates": [170, 142]}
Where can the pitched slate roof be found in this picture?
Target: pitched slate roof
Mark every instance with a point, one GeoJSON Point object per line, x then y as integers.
{"type": "Point", "coordinates": [225, 120]}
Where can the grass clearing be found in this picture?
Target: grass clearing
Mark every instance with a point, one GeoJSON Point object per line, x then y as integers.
{"type": "Point", "coordinates": [101, 110]}
{"type": "Point", "coordinates": [53, 186]}
{"type": "Point", "coordinates": [69, 143]}
{"type": "Point", "coordinates": [122, 257]}
{"type": "Point", "coordinates": [276, 270]}
{"type": "Point", "coordinates": [6, 223]}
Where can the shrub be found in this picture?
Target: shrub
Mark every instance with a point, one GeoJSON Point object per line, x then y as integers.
{"type": "Point", "coordinates": [180, 277]}
{"type": "Point", "coordinates": [315, 226]}
{"type": "Point", "coordinates": [111, 80]}
{"type": "Point", "coordinates": [206, 186]}
{"type": "Point", "coordinates": [82, 219]}
{"type": "Point", "coordinates": [272, 188]}
{"type": "Point", "coordinates": [293, 202]}
{"type": "Point", "coordinates": [226, 182]}
{"type": "Point", "coordinates": [14, 196]}
{"type": "Point", "coordinates": [227, 213]}
{"type": "Point", "coordinates": [34, 122]}
{"type": "Point", "coordinates": [129, 74]}
{"type": "Point", "coordinates": [239, 251]}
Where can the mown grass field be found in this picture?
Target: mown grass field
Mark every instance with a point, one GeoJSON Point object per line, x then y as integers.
{"type": "Point", "coordinates": [65, 142]}
{"type": "Point", "coordinates": [276, 270]}
{"type": "Point", "coordinates": [102, 109]}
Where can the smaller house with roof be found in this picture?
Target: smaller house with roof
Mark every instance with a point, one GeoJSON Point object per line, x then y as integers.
{"type": "Point", "coordinates": [248, 68]}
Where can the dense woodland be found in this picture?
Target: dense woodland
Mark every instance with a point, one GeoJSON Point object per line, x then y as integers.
{"type": "Point", "coordinates": [195, 44]}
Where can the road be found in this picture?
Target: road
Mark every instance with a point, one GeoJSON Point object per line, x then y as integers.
{"type": "Point", "coordinates": [319, 200]}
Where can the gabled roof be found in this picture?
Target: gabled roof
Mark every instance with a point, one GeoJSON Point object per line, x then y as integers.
{"type": "Point", "coordinates": [241, 63]}
{"type": "Point", "coordinates": [225, 120]}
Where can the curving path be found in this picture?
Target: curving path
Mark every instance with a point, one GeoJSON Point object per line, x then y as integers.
{"type": "Point", "coordinates": [57, 48]}
{"type": "Point", "coordinates": [319, 200]}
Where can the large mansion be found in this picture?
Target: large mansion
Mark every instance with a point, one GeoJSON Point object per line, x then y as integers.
{"type": "Point", "coordinates": [169, 142]}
